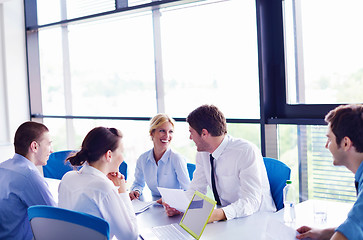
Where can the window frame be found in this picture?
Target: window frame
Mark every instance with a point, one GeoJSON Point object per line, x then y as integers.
{"type": "Point", "coordinates": [274, 109]}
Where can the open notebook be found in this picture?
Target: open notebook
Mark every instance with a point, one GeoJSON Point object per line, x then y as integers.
{"type": "Point", "coordinates": [191, 225]}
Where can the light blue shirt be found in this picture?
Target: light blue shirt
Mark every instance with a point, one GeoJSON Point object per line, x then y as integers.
{"type": "Point", "coordinates": [22, 186]}
{"type": "Point", "coordinates": [352, 228]}
{"type": "Point", "coordinates": [171, 172]}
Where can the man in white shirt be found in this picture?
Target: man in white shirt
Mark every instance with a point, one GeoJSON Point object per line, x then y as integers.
{"type": "Point", "coordinates": [238, 177]}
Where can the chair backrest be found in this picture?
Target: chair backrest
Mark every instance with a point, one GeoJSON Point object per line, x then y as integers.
{"type": "Point", "coordinates": [49, 222]}
{"type": "Point", "coordinates": [56, 166]}
{"type": "Point", "coordinates": [123, 169]}
{"type": "Point", "coordinates": [191, 169]}
{"type": "Point", "coordinates": [277, 173]}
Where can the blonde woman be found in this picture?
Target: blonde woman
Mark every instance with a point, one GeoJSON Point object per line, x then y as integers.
{"type": "Point", "coordinates": [160, 166]}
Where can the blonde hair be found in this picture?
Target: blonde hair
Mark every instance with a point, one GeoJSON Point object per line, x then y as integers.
{"type": "Point", "coordinates": [159, 120]}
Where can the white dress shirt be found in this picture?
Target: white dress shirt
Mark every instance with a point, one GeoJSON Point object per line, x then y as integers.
{"type": "Point", "coordinates": [171, 172]}
{"type": "Point", "coordinates": [241, 178]}
{"type": "Point", "coordinates": [90, 191]}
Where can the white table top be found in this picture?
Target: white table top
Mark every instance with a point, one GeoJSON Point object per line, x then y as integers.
{"type": "Point", "coordinates": [260, 225]}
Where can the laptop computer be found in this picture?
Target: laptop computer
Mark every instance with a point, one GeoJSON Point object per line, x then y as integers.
{"type": "Point", "coordinates": [192, 224]}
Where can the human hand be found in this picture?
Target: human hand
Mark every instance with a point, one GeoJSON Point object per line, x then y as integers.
{"type": "Point", "coordinates": [169, 210]}
{"type": "Point", "coordinates": [217, 215]}
{"type": "Point", "coordinates": [118, 180]}
{"type": "Point", "coordinates": [134, 195]}
{"type": "Point", "coordinates": [312, 233]}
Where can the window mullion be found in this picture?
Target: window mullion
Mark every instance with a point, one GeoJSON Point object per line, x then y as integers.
{"type": "Point", "coordinates": [159, 79]}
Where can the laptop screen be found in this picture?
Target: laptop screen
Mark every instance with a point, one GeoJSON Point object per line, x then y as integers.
{"type": "Point", "coordinates": [197, 214]}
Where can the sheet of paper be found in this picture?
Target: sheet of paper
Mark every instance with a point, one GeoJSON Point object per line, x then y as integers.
{"type": "Point", "coordinates": [176, 198]}
{"type": "Point", "coordinates": [140, 206]}
{"type": "Point", "coordinates": [277, 230]}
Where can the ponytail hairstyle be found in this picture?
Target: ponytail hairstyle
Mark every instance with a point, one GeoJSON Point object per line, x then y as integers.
{"type": "Point", "coordinates": [96, 143]}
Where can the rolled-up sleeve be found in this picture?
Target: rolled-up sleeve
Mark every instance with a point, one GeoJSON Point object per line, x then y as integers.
{"type": "Point", "coordinates": [250, 188]}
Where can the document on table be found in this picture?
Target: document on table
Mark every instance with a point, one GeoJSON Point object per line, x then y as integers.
{"type": "Point", "coordinates": [277, 230]}
{"type": "Point", "coordinates": [140, 206]}
{"type": "Point", "coordinates": [175, 198]}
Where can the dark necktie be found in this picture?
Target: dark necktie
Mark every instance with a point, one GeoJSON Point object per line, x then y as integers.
{"type": "Point", "coordinates": [215, 193]}
{"type": "Point", "coordinates": [356, 186]}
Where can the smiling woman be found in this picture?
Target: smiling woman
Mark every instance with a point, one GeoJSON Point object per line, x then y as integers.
{"type": "Point", "coordinates": [160, 166]}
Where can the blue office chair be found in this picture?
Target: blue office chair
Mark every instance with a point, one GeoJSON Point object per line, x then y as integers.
{"type": "Point", "coordinates": [277, 173]}
{"type": "Point", "coordinates": [54, 223]}
{"type": "Point", "coordinates": [123, 169]}
{"type": "Point", "coordinates": [57, 166]}
{"type": "Point", "coordinates": [191, 169]}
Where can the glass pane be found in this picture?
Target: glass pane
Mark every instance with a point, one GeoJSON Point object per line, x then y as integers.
{"type": "Point", "coordinates": [51, 71]}
{"type": "Point", "coordinates": [328, 181]}
{"type": "Point", "coordinates": [206, 62]}
{"type": "Point", "coordinates": [250, 132]}
{"type": "Point", "coordinates": [48, 11]}
{"type": "Point", "coordinates": [325, 181]}
{"type": "Point", "coordinates": [82, 8]}
{"type": "Point", "coordinates": [323, 54]}
{"type": "Point", "coordinates": [288, 151]}
{"type": "Point", "coordinates": [112, 67]}
{"type": "Point", "coordinates": [136, 137]}
{"type": "Point", "coordinates": [57, 130]}
{"type": "Point", "coordinates": [137, 2]}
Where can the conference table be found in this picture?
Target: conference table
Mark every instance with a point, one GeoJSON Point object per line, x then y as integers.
{"type": "Point", "coordinates": [259, 226]}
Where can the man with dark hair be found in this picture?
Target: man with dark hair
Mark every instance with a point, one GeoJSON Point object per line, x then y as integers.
{"type": "Point", "coordinates": [22, 185]}
{"type": "Point", "coordinates": [233, 168]}
{"type": "Point", "coordinates": [345, 142]}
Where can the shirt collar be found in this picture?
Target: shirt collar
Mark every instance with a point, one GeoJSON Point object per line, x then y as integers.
{"type": "Point", "coordinates": [164, 158]}
{"type": "Point", "coordinates": [21, 158]}
{"type": "Point", "coordinates": [87, 169]}
{"type": "Point", "coordinates": [359, 172]}
{"type": "Point", "coordinates": [217, 153]}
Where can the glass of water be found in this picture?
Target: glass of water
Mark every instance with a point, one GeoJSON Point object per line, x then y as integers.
{"type": "Point", "coordinates": [320, 212]}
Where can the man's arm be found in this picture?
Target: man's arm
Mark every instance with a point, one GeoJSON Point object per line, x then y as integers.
{"type": "Point", "coordinates": [338, 236]}
{"type": "Point", "coordinates": [217, 215]}
{"type": "Point", "coordinates": [250, 187]}
{"type": "Point", "coordinates": [318, 234]}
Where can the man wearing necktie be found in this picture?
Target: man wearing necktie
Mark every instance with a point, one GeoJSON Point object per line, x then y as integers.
{"type": "Point", "coordinates": [345, 142]}
{"type": "Point", "coordinates": [233, 168]}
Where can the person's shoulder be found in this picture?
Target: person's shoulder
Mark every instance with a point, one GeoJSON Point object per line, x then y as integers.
{"type": "Point", "coordinates": [239, 142]}
{"type": "Point", "coordinates": [70, 175]}
{"type": "Point", "coordinates": [176, 157]}
{"type": "Point", "coordinates": [144, 155]}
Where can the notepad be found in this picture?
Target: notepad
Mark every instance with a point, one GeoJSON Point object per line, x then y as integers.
{"type": "Point", "coordinates": [140, 206]}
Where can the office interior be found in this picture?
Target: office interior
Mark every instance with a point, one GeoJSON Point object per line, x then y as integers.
{"type": "Point", "coordinates": [274, 67]}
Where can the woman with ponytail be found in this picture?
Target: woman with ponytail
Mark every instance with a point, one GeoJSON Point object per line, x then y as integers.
{"type": "Point", "coordinates": [99, 188]}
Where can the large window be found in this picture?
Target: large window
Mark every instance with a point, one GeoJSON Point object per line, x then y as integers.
{"type": "Point", "coordinates": [302, 148]}
{"type": "Point", "coordinates": [324, 50]}
{"type": "Point", "coordinates": [275, 68]}
{"type": "Point", "coordinates": [120, 69]}
{"type": "Point", "coordinates": [204, 60]}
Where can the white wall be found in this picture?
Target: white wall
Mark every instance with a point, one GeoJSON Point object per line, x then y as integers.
{"type": "Point", "coordinates": [14, 100]}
